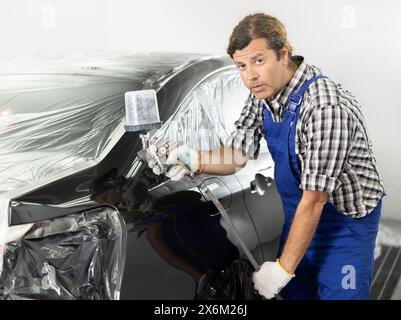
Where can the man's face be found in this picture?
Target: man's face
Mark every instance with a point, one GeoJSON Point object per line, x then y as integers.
{"type": "Point", "coordinates": [260, 69]}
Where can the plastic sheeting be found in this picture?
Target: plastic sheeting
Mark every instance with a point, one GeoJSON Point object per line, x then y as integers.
{"type": "Point", "coordinates": [62, 114]}
{"type": "Point", "coordinates": [207, 116]}
{"type": "Point", "coordinates": [233, 283]}
{"type": "Point", "coordinates": [79, 256]}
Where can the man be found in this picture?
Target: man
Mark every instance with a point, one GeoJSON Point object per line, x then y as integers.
{"type": "Point", "coordinates": [325, 170]}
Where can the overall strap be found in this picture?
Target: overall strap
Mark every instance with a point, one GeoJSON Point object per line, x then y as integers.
{"type": "Point", "coordinates": [294, 103]}
{"type": "Point", "coordinates": [295, 98]}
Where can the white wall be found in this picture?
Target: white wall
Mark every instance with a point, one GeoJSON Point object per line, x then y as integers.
{"type": "Point", "coordinates": [356, 42]}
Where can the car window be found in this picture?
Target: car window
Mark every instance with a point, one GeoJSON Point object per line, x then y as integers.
{"type": "Point", "coordinates": [206, 117]}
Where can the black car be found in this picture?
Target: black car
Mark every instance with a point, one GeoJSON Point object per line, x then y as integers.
{"type": "Point", "coordinates": [100, 224]}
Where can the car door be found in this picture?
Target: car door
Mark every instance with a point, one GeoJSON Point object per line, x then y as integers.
{"type": "Point", "coordinates": [202, 122]}
{"type": "Point", "coordinates": [265, 210]}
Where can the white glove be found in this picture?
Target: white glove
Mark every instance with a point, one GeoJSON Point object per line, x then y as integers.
{"type": "Point", "coordinates": [177, 172]}
{"type": "Point", "coordinates": [270, 279]}
{"type": "Point", "coordinates": [182, 161]}
{"type": "Point", "coordinates": [155, 168]}
{"type": "Point", "coordinates": [152, 152]}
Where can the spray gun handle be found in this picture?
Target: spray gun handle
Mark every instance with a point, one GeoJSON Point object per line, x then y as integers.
{"type": "Point", "coordinates": [193, 176]}
{"type": "Point", "coordinates": [145, 139]}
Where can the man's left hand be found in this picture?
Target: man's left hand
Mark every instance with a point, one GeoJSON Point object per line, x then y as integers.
{"type": "Point", "coordinates": [270, 279]}
{"type": "Point", "coordinates": [181, 161]}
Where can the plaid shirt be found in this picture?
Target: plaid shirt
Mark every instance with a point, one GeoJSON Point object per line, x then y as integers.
{"type": "Point", "coordinates": [332, 145]}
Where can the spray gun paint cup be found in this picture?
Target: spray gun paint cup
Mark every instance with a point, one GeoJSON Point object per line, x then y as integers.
{"type": "Point", "coordinates": [141, 111]}
{"type": "Point", "coordinates": [142, 116]}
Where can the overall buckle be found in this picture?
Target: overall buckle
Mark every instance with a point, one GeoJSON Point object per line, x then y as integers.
{"type": "Point", "coordinates": [294, 101]}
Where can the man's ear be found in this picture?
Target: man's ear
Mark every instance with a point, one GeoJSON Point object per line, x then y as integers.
{"type": "Point", "coordinates": [284, 52]}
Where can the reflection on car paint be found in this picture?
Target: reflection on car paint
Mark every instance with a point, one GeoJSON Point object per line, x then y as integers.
{"type": "Point", "coordinates": [181, 228]}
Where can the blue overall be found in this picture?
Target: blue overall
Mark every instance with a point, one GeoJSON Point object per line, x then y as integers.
{"type": "Point", "coordinates": [339, 261]}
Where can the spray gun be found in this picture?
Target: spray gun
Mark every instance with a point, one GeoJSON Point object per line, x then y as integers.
{"type": "Point", "coordinates": [142, 116]}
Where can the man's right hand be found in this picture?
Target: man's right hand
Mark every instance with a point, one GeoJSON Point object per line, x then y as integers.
{"type": "Point", "coordinates": [271, 278]}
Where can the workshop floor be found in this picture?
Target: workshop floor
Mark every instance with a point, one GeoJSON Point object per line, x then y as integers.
{"type": "Point", "coordinates": [386, 283]}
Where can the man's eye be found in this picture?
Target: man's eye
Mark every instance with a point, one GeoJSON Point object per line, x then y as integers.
{"type": "Point", "coordinates": [259, 61]}
{"type": "Point", "coordinates": [241, 66]}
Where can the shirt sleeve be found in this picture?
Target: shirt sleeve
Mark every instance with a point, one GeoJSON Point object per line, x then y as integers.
{"type": "Point", "coordinates": [247, 133]}
{"type": "Point", "coordinates": [328, 136]}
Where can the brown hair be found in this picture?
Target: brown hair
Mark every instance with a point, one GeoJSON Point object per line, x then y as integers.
{"type": "Point", "coordinates": [259, 25]}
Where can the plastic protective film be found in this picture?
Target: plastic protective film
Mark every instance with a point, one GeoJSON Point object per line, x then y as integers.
{"type": "Point", "coordinates": [206, 118]}
{"type": "Point", "coordinates": [62, 114]}
{"type": "Point", "coordinates": [80, 256]}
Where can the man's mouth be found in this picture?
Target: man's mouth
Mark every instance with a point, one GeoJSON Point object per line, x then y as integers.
{"type": "Point", "coordinates": [256, 88]}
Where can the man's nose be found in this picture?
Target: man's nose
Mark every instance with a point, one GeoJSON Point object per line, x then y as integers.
{"type": "Point", "coordinates": [251, 74]}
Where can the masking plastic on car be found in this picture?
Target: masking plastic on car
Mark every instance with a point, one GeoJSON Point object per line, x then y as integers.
{"type": "Point", "coordinates": [79, 256]}
{"type": "Point", "coordinates": [205, 119]}
{"type": "Point", "coordinates": [61, 115]}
